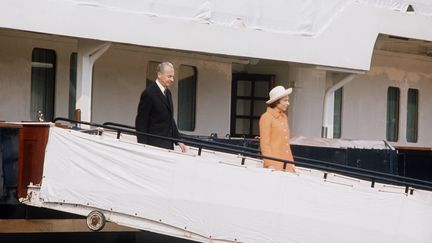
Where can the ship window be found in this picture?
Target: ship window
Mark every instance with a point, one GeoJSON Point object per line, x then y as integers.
{"type": "Point", "coordinates": [42, 84]}
{"type": "Point", "coordinates": [393, 95]}
{"type": "Point", "coordinates": [249, 94]}
{"type": "Point", "coordinates": [151, 72]}
{"type": "Point", "coordinates": [72, 84]}
{"type": "Point", "coordinates": [337, 115]}
{"type": "Point", "coordinates": [412, 116]}
{"type": "Point", "coordinates": [187, 87]}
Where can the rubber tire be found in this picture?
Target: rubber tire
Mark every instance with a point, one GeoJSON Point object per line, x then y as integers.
{"type": "Point", "coordinates": [96, 220]}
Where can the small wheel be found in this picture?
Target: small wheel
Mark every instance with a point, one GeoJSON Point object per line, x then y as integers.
{"type": "Point", "coordinates": [96, 220]}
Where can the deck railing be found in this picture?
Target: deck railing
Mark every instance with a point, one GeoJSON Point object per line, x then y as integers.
{"type": "Point", "coordinates": [373, 176]}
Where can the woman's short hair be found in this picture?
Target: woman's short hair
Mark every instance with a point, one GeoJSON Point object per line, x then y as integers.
{"type": "Point", "coordinates": [274, 104]}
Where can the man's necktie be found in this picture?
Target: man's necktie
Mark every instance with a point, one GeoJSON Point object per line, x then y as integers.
{"type": "Point", "coordinates": [168, 97]}
{"type": "Point", "coordinates": [166, 94]}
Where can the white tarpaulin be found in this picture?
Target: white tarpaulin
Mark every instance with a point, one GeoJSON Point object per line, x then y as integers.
{"type": "Point", "coordinates": [334, 33]}
{"type": "Point", "coordinates": [220, 201]}
{"type": "Point", "coordinates": [293, 17]}
{"type": "Point", "coordinates": [422, 7]}
{"type": "Point", "coordinates": [340, 143]}
{"type": "Point", "coordinates": [299, 17]}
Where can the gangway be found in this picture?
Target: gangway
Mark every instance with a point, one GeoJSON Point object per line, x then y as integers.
{"type": "Point", "coordinates": [214, 193]}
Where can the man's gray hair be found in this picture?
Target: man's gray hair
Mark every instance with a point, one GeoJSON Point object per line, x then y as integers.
{"type": "Point", "coordinates": [162, 66]}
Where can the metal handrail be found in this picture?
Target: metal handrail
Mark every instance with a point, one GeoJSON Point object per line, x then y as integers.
{"type": "Point", "coordinates": [189, 138]}
{"type": "Point", "coordinates": [117, 125]}
{"type": "Point", "coordinates": [373, 176]}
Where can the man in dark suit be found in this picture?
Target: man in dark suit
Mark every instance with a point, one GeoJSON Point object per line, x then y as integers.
{"type": "Point", "coordinates": [155, 110]}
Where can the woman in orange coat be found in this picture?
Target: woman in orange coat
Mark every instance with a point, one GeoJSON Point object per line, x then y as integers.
{"type": "Point", "coordinates": [274, 130]}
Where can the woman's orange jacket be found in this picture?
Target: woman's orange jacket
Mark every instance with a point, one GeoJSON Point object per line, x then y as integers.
{"type": "Point", "coordinates": [275, 139]}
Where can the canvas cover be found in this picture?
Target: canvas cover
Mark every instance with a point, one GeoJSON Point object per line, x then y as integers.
{"type": "Point", "coordinates": [329, 33]}
{"type": "Point", "coordinates": [340, 143]}
{"type": "Point", "coordinates": [224, 201]}
{"type": "Point", "coordinates": [298, 17]}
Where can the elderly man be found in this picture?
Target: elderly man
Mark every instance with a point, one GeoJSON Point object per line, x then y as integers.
{"type": "Point", "coordinates": [155, 110]}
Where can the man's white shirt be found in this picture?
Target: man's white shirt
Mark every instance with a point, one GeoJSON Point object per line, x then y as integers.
{"type": "Point", "coordinates": [162, 88]}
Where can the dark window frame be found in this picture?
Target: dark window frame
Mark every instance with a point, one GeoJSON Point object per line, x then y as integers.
{"type": "Point", "coordinates": [393, 111]}
{"type": "Point", "coordinates": [39, 59]}
{"type": "Point", "coordinates": [73, 72]}
{"type": "Point", "coordinates": [337, 116]}
{"type": "Point", "coordinates": [412, 116]}
{"type": "Point", "coordinates": [234, 97]}
{"type": "Point", "coordinates": [182, 122]}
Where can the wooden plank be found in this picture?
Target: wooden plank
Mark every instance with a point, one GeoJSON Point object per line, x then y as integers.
{"type": "Point", "coordinates": [8, 125]}
{"type": "Point", "coordinates": [55, 225]}
{"type": "Point", "coordinates": [414, 148]}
